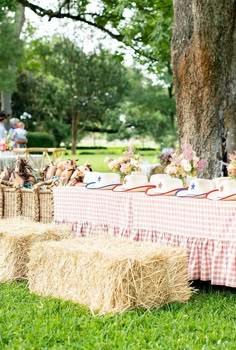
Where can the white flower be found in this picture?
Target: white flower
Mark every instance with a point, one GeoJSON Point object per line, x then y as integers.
{"type": "Point", "coordinates": [186, 165]}
{"type": "Point", "coordinates": [134, 163]}
{"type": "Point", "coordinates": [171, 170]}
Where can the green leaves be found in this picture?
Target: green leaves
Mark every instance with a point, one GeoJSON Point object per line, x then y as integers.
{"type": "Point", "coordinates": [144, 25]}
{"type": "Point", "coordinates": [61, 80]}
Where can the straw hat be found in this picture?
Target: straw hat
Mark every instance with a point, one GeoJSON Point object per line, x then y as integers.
{"type": "Point", "coordinates": [105, 181]}
{"type": "Point", "coordinates": [198, 188]}
{"type": "Point", "coordinates": [135, 182]}
{"type": "Point", "coordinates": [165, 186]}
{"type": "Point", "coordinates": [226, 191]}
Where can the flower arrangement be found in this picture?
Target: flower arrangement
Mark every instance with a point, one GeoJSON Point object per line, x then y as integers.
{"type": "Point", "coordinates": [185, 164]}
{"type": "Point", "coordinates": [127, 164]}
{"type": "Point", "coordinates": [5, 144]}
{"type": "Point", "coordinates": [231, 167]}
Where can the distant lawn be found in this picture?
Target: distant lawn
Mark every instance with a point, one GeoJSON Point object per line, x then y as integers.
{"type": "Point", "coordinates": [27, 322]}
{"type": "Point", "coordinates": [96, 157]}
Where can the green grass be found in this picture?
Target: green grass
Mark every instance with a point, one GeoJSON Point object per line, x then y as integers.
{"type": "Point", "coordinates": [207, 321]}
{"type": "Point", "coordinates": [96, 157]}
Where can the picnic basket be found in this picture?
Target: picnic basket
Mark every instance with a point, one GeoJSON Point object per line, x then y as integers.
{"type": "Point", "coordinates": [10, 201]}
{"type": "Point", "coordinates": [46, 208]}
{"type": "Point", "coordinates": [35, 204]}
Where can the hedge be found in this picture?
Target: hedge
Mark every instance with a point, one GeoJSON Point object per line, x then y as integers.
{"type": "Point", "coordinates": [40, 139]}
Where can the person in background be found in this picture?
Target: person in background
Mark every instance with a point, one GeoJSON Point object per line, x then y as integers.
{"type": "Point", "coordinates": [13, 126]}
{"type": "Point", "coordinates": [3, 131]}
{"type": "Point", "coordinates": [19, 136]}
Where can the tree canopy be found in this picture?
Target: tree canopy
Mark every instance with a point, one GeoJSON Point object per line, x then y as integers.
{"type": "Point", "coordinates": [145, 26]}
{"type": "Point", "coordinates": [57, 79]}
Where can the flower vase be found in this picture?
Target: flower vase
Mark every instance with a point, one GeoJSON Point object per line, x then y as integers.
{"type": "Point", "coordinates": [122, 177]}
{"type": "Point", "coordinates": [187, 180]}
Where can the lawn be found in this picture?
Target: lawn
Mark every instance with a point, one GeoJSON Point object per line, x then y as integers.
{"type": "Point", "coordinates": [96, 157]}
{"type": "Point", "coordinates": [207, 321]}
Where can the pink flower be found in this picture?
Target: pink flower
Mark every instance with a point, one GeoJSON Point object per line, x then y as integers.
{"type": "Point", "coordinates": [185, 163]}
{"type": "Point", "coordinates": [187, 151]}
{"type": "Point", "coordinates": [123, 167]}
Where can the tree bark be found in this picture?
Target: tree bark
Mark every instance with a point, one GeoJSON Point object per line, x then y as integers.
{"type": "Point", "coordinates": [6, 102]}
{"type": "Point", "coordinates": [19, 19]}
{"type": "Point", "coordinates": [74, 124]}
{"type": "Point", "coordinates": [18, 22]}
{"type": "Point", "coordinates": [204, 70]}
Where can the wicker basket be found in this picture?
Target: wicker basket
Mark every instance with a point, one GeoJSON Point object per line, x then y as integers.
{"type": "Point", "coordinates": [11, 202]}
{"type": "Point", "coordinates": [36, 204]}
{"type": "Point", "coordinates": [46, 208]}
{"type": "Point", "coordinates": [1, 203]}
{"type": "Point", "coordinates": [30, 204]}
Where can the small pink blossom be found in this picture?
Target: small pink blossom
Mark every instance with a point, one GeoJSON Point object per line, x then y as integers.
{"type": "Point", "coordinates": [185, 164]}
{"type": "Point", "coordinates": [127, 164]}
{"type": "Point", "coordinates": [187, 151]}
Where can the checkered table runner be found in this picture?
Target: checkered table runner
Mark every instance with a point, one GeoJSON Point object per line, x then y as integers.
{"type": "Point", "coordinates": [207, 229]}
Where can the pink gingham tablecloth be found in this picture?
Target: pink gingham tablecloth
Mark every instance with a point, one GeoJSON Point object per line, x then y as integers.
{"type": "Point", "coordinates": [93, 211]}
{"type": "Point", "coordinates": [206, 229]}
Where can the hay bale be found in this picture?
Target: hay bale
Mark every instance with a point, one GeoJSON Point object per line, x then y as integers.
{"type": "Point", "coordinates": [109, 274]}
{"type": "Point", "coordinates": [17, 235]}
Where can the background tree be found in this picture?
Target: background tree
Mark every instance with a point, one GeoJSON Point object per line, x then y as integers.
{"type": "Point", "coordinates": [145, 26]}
{"type": "Point", "coordinates": [12, 20]}
{"type": "Point", "coordinates": [203, 59]}
{"type": "Point", "coordinates": [70, 87]}
{"type": "Point", "coordinates": [147, 111]}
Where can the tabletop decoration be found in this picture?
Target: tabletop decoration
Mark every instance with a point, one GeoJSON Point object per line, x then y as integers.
{"type": "Point", "coordinates": [5, 144]}
{"type": "Point", "coordinates": [127, 164]}
{"type": "Point", "coordinates": [185, 164]}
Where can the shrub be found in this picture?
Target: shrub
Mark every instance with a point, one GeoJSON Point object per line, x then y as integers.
{"type": "Point", "coordinates": [40, 139]}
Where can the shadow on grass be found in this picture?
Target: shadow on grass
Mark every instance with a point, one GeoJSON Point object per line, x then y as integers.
{"type": "Point", "coordinates": [207, 287]}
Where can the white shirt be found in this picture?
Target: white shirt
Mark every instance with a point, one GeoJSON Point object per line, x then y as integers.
{"type": "Point", "coordinates": [20, 133]}
{"type": "Point", "coordinates": [3, 131]}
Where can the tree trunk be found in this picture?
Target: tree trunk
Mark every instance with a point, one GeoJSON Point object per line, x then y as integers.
{"type": "Point", "coordinates": [204, 69]}
{"type": "Point", "coordinates": [6, 102]}
{"type": "Point", "coordinates": [18, 22]}
{"type": "Point", "coordinates": [19, 19]}
{"type": "Point", "coordinates": [74, 124]}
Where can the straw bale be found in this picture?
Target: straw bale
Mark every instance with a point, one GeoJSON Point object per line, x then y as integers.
{"type": "Point", "coordinates": [109, 274]}
{"type": "Point", "coordinates": [17, 235]}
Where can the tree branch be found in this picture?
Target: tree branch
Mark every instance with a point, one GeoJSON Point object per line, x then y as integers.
{"type": "Point", "coordinates": [40, 11]}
